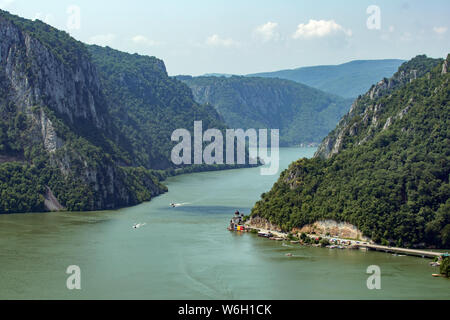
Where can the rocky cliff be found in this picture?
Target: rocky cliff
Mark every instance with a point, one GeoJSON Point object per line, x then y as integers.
{"type": "Point", "coordinates": [55, 117]}
{"type": "Point", "coordinates": [38, 77]}
{"type": "Point", "coordinates": [363, 119]}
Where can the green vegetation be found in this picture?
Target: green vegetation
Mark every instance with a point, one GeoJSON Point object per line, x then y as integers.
{"type": "Point", "coordinates": [445, 267]}
{"type": "Point", "coordinates": [291, 237]}
{"type": "Point", "coordinates": [391, 175]}
{"type": "Point", "coordinates": [20, 190]}
{"type": "Point", "coordinates": [302, 114]}
{"type": "Point", "coordinates": [119, 162]}
{"type": "Point", "coordinates": [347, 80]}
{"type": "Point", "coordinates": [147, 105]}
{"type": "Point", "coordinates": [61, 44]}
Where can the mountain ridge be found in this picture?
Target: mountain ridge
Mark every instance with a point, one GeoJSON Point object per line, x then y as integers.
{"type": "Point", "coordinates": [348, 80]}
{"type": "Point", "coordinates": [303, 114]}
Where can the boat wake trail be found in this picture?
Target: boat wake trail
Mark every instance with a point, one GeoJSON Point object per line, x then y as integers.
{"type": "Point", "coordinates": [175, 205]}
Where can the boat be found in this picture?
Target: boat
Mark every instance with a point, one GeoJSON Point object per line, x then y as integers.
{"type": "Point", "coordinates": [436, 275]}
{"type": "Point", "coordinates": [138, 225]}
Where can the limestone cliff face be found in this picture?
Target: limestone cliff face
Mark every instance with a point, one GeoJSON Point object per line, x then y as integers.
{"type": "Point", "coordinates": [262, 223]}
{"type": "Point", "coordinates": [38, 77]}
{"type": "Point", "coordinates": [363, 119]}
{"type": "Point", "coordinates": [53, 82]}
{"type": "Point", "coordinates": [333, 228]}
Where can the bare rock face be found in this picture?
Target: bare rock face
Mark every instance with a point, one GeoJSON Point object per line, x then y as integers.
{"type": "Point", "coordinates": [333, 228]}
{"type": "Point", "coordinates": [51, 141]}
{"type": "Point", "coordinates": [51, 202]}
{"type": "Point", "coordinates": [261, 223]}
{"type": "Point", "coordinates": [38, 78]}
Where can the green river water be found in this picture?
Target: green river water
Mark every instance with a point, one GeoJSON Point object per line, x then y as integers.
{"type": "Point", "coordinates": [187, 253]}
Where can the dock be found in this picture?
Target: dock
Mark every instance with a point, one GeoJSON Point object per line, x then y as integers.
{"type": "Point", "coordinates": [369, 246]}
{"type": "Point", "coordinates": [410, 252]}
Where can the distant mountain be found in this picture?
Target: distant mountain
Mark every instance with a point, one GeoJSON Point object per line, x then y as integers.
{"type": "Point", "coordinates": [303, 114]}
{"type": "Point", "coordinates": [226, 75]}
{"type": "Point", "coordinates": [348, 80]}
{"type": "Point", "coordinates": [385, 168]}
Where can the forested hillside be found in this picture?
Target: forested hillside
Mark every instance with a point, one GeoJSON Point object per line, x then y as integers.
{"type": "Point", "coordinates": [302, 114]}
{"type": "Point", "coordinates": [83, 128]}
{"type": "Point", "coordinates": [385, 168]}
{"type": "Point", "coordinates": [147, 105]}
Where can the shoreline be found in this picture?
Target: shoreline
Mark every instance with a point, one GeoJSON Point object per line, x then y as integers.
{"type": "Point", "coordinates": [162, 176]}
{"type": "Point", "coordinates": [342, 243]}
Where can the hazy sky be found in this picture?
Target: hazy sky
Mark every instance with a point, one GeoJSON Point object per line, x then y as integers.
{"type": "Point", "coordinates": [248, 36]}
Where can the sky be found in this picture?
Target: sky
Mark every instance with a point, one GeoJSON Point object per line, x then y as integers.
{"type": "Point", "coordinates": [249, 36]}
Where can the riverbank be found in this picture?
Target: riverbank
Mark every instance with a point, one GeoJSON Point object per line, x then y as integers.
{"type": "Point", "coordinates": [299, 236]}
{"type": "Point", "coordinates": [186, 253]}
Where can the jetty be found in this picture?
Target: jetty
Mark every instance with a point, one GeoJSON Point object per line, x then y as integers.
{"type": "Point", "coordinates": [356, 244]}
{"type": "Point", "coordinates": [410, 252]}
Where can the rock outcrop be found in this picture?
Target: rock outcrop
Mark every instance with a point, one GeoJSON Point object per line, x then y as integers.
{"type": "Point", "coordinates": [334, 229]}
{"type": "Point", "coordinates": [365, 112]}
{"type": "Point", "coordinates": [39, 78]}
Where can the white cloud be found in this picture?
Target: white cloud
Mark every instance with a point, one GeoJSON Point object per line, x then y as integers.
{"type": "Point", "coordinates": [143, 40]}
{"type": "Point", "coordinates": [216, 41]}
{"type": "Point", "coordinates": [319, 29]}
{"type": "Point", "coordinates": [4, 4]}
{"type": "Point", "coordinates": [102, 39]}
{"type": "Point", "coordinates": [440, 30]}
{"type": "Point", "coordinates": [267, 31]}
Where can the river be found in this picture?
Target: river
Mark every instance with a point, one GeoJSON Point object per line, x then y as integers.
{"type": "Point", "coordinates": [187, 253]}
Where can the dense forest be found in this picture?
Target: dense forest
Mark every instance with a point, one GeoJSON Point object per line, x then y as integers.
{"type": "Point", "coordinates": [89, 125]}
{"type": "Point", "coordinates": [147, 105]}
{"type": "Point", "coordinates": [385, 168]}
{"type": "Point", "coordinates": [302, 114]}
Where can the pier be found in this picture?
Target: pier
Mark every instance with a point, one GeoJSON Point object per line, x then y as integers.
{"type": "Point", "coordinates": [411, 252]}
{"type": "Point", "coordinates": [366, 245]}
